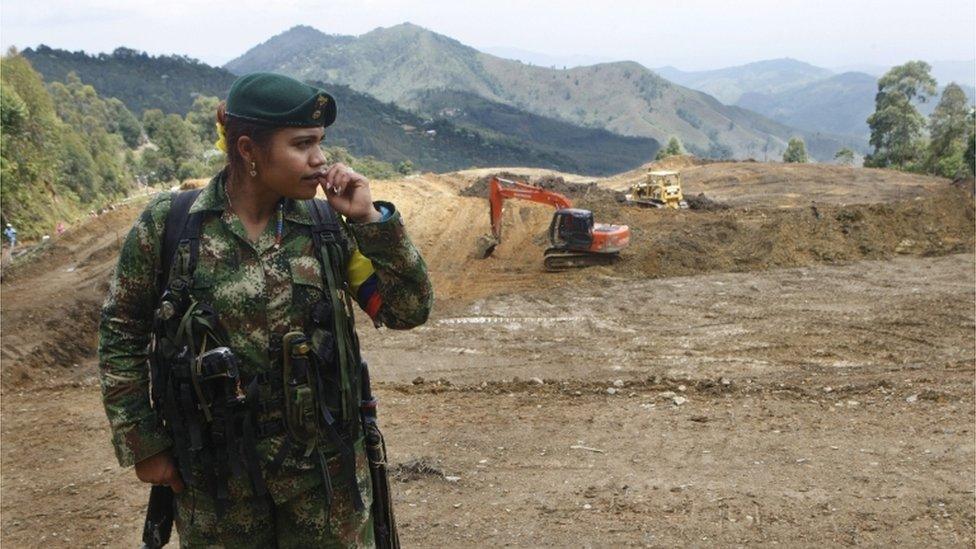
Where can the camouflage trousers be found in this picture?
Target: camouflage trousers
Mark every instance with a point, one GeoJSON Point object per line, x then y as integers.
{"type": "Point", "coordinates": [305, 520]}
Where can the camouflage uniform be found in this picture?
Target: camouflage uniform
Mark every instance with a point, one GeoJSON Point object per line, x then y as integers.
{"type": "Point", "coordinates": [259, 290]}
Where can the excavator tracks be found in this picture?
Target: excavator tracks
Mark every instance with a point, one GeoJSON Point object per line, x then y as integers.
{"type": "Point", "coordinates": [563, 260]}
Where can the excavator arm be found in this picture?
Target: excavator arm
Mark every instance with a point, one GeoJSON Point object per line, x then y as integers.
{"type": "Point", "coordinates": [502, 189]}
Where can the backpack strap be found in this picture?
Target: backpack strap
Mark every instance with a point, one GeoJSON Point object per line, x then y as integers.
{"type": "Point", "coordinates": [180, 226]}
{"type": "Point", "coordinates": [326, 229]}
{"type": "Point", "coordinates": [331, 250]}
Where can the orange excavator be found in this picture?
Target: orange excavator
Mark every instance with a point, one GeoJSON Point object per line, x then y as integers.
{"type": "Point", "coordinates": [574, 239]}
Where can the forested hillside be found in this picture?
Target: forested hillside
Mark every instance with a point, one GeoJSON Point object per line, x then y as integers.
{"type": "Point", "coordinates": [169, 83]}
{"type": "Point", "coordinates": [64, 148]}
{"type": "Point", "coordinates": [366, 126]}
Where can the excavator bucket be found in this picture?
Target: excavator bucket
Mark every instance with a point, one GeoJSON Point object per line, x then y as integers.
{"type": "Point", "coordinates": [485, 246]}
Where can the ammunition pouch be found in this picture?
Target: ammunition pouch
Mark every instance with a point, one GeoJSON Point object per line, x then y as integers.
{"type": "Point", "coordinates": [197, 386]}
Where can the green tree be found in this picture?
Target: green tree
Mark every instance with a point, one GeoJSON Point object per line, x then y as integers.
{"type": "Point", "coordinates": [13, 111]}
{"type": "Point", "coordinates": [796, 151]}
{"type": "Point", "coordinates": [948, 130]}
{"type": "Point", "coordinates": [128, 125]}
{"type": "Point", "coordinates": [673, 148]}
{"type": "Point", "coordinates": [30, 148]}
{"type": "Point", "coordinates": [971, 147]}
{"type": "Point", "coordinates": [896, 125]}
{"type": "Point", "coordinates": [405, 167]}
{"type": "Point", "coordinates": [152, 120]}
{"type": "Point", "coordinates": [913, 80]}
{"type": "Point", "coordinates": [156, 167]}
{"type": "Point", "coordinates": [203, 118]}
{"type": "Point", "coordinates": [845, 156]}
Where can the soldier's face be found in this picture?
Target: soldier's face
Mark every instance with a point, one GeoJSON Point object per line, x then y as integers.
{"type": "Point", "coordinates": [293, 162]}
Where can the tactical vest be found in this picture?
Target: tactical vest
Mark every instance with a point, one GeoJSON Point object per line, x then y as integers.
{"type": "Point", "coordinates": [212, 411]}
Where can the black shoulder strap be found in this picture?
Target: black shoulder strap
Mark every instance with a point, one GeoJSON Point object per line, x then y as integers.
{"type": "Point", "coordinates": [326, 223]}
{"type": "Point", "coordinates": [178, 227]}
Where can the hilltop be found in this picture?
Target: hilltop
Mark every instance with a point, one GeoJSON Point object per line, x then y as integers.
{"type": "Point", "coordinates": [729, 84]}
{"type": "Point", "coordinates": [403, 62]}
{"type": "Point", "coordinates": [366, 125]}
{"type": "Point", "coordinates": [141, 81]}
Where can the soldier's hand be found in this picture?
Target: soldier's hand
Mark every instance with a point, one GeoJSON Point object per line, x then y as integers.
{"type": "Point", "coordinates": [348, 193]}
{"type": "Point", "coordinates": [160, 469]}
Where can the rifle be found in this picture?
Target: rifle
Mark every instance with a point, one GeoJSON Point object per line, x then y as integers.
{"type": "Point", "coordinates": [384, 523]}
{"type": "Point", "coordinates": [159, 518]}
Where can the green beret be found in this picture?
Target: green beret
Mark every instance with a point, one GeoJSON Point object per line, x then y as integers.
{"type": "Point", "coordinates": [276, 100]}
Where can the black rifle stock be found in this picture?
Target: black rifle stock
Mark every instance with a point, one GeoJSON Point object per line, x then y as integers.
{"type": "Point", "coordinates": [384, 522]}
{"type": "Point", "coordinates": [159, 518]}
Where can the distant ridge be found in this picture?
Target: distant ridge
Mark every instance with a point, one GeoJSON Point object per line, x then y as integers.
{"type": "Point", "coordinates": [397, 63]}
{"type": "Point", "coordinates": [729, 84]}
{"type": "Point", "coordinates": [812, 98]}
{"type": "Point", "coordinates": [366, 125]}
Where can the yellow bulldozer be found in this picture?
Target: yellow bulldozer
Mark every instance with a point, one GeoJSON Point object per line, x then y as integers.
{"type": "Point", "coordinates": [658, 189]}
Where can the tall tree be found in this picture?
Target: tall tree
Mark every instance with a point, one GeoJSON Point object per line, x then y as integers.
{"type": "Point", "coordinates": [796, 152]}
{"type": "Point", "coordinates": [896, 126]}
{"type": "Point", "coordinates": [845, 156]}
{"type": "Point", "coordinates": [203, 118]}
{"type": "Point", "coordinates": [673, 148]}
{"type": "Point", "coordinates": [948, 130]}
{"type": "Point", "coordinates": [971, 146]}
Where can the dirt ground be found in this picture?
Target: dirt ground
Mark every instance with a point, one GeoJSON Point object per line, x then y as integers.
{"type": "Point", "coordinates": [764, 375]}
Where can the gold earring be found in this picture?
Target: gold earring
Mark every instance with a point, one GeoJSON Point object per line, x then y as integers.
{"type": "Point", "coordinates": [254, 170]}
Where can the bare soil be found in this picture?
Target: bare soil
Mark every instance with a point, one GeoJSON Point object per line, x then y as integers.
{"type": "Point", "coordinates": [797, 375]}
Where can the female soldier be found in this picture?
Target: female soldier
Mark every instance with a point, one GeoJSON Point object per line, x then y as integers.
{"type": "Point", "coordinates": [256, 374]}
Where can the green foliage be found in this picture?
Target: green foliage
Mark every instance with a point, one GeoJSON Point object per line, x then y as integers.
{"type": "Point", "coordinates": [167, 82]}
{"type": "Point", "coordinates": [970, 154]}
{"type": "Point", "coordinates": [845, 156]}
{"type": "Point", "coordinates": [948, 129]}
{"type": "Point", "coordinates": [156, 167]}
{"type": "Point", "coordinates": [367, 165]}
{"type": "Point", "coordinates": [796, 152]}
{"type": "Point", "coordinates": [912, 80]}
{"type": "Point", "coordinates": [176, 139]}
{"type": "Point", "coordinates": [180, 148]}
{"type": "Point", "coordinates": [373, 168]}
{"type": "Point", "coordinates": [404, 167]}
{"type": "Point", "coordinates": [78, 171]}
{"type": "Point", "coordinates": [673, 148]}
{"type": "Point", "coordinates": [62, 149]}
{"type": "Point", "coordinates": [896, 125]}
{"type": "Point", "coordinates": [102, 170]}
{"type": "Point", "coordinates": [952, 163]}
{"type": "Point", "coordinates": [152, 120]}
{"type": "Point", "coordinates": [202, 117]}
{"type": "Point", "coordinates": [128, 125]}
{"type": "Point", "coordinates": [13, 112]}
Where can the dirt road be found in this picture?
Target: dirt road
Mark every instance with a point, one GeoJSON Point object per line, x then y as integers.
{"type": "Point", "coordinates": [708, 390]}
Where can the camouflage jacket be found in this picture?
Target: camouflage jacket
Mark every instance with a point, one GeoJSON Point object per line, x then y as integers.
{"type": "Point", "coordinates": [257, 288]}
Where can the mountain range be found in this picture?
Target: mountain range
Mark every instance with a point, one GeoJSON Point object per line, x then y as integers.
{"type": "Point", "coordinates": [806, 96]}
{"type": "Point", "coordinates": [457, 139]}
{"type": "Point", "coordinates": [596, 119]}
{"type": "Point", "coordinates": [403, 63]}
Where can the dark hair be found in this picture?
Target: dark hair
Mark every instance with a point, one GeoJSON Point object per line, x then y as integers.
{"type": "Point", "coordinates": [236, 128]}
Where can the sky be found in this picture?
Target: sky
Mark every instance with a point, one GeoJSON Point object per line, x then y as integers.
{"type": "Point", "coordinates": [687, 34]}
